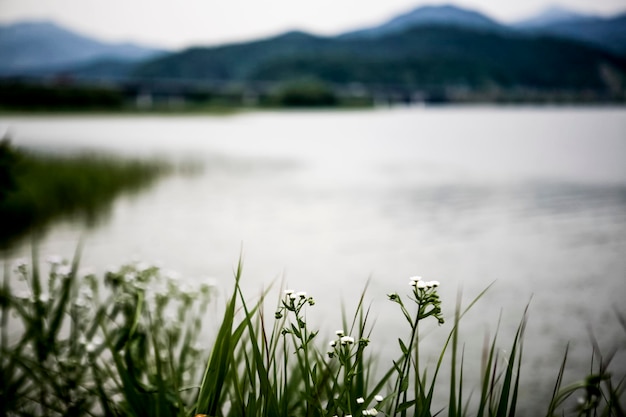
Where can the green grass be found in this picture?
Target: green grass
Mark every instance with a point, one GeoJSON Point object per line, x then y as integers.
{"type": "Point", "coordinates": [136, 342]}
{"type": "Point", "coordinates": [36, 188]}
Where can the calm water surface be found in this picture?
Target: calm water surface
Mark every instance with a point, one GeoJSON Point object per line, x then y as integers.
{"type": "Point", "coordinates": [531, 199]}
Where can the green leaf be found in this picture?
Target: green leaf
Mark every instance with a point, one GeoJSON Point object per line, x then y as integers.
{"type": "Point", "coordinates": [403, 347]}
{"type": "Point", "coordinates": [404, 385]}
{"type": "Point", "coordinates": [405, 406]}
{"type": "Point", "coordinates": [219, 363]}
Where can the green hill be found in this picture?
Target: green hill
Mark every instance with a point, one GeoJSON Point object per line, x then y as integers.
{"type": "Point", "coordinates": [419, 58]}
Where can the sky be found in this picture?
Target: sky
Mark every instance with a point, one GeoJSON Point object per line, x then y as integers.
{"type": "Point", "coordinates": [177, 24]}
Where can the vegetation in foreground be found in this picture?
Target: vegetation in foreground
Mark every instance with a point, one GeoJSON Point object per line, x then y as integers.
{"type": "Point", "coordinates": [134, 343]}
{"type": "Point", "coordinates": [36, 188]}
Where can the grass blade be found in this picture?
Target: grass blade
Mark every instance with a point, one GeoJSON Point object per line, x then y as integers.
{"type": "Point", "coordinates": [219, 362]}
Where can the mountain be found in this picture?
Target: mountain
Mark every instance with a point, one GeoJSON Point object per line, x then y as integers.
{"type": "Point", "coordinates": [420, 57]}
{"type": "Point", "coordinates": [43, 46]}
{"type": "Point", "coordinates": [608, 33]}
{"type": "Point", "coordinates": [446, 15]}
{"type": "Point", "coordinates": [235, 61]}
{"type": "Point", "coordinates": [550, 16]}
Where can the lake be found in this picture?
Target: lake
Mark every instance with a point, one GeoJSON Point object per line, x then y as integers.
{"type": "Point", "coordinates": [531, 199]}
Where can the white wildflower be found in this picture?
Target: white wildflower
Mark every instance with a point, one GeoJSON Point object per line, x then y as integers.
{"type": "Point", "coordinates": [339, 333]}
{"type": "Point", "coordinates": [302, 294]}
{"type": "Point", "coordinates": [172, 275]}
{"type": "Point", "coordinates": [378, 398]}
{"type": "Point", "coordinates": [64, 270]}
{"type": "Point", "coordinates": [420, 284]}
{"type": "Point", "coordinates": [187, 289]}
{"type": "Point", "coordinates": [95, 342]}
{"type": "Point", "coordinates": [142, 267]}
{"type": "Point", "coordinates": [54, 259]}
{"type": "Point", "coordinates": [360, 400]}
{"type": "Point", "coordinates": [80, 303]}
{"type": "Point", "coordinates": [141, 286]}
{"type": "Point", "coordinates": [347, 340]}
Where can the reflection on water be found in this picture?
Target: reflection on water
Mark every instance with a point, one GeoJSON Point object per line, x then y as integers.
{"type": "Point", "coordinates": [534, 200]}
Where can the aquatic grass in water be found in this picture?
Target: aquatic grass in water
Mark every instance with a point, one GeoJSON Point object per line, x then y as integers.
{"type": "Point", "coordinates": [133, 343]}
{"type": "Point", "coordinates": [36, 187]}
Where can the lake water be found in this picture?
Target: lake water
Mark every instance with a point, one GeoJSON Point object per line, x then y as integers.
{"type": "Point", "coordinates": [531, 198]}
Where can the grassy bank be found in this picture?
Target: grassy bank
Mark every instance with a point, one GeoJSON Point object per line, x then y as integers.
{"type": "Point", "coordinates": [36, 188]}
{"type": "Point", "coordinates": [134, 343]}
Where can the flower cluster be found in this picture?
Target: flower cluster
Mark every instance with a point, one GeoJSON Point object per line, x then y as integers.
{"type": "Point", "coordinates": [425, 296]}
{"type": "Point", "coordinates": [294, 302]}
{"type": "Point", "coordinates": [60, 271]}
{"type": "Point", "coordinates": [93, 345]}
{"type": "Point", "coordinates": [145, 317]}
{"type": "Point", "coordinates": [368, 411]}
{"type": "Point", "coordinates": [418, 283]}
{"type": "Point", "coordinates": [343, 344]}
{"type": "Point", "coordinates": [156, 285]}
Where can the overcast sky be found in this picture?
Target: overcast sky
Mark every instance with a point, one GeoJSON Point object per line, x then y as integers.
{"type": "Point", "coordinates": [176, 24]}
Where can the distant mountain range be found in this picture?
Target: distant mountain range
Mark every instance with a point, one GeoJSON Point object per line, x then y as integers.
{"type": "Point", "coordinates": [605, 33]}
{"type": "Point", "coordinates": [550, 16]}
{"type": "Point", "coordinates": [35, 47]}
{"type": "Point", "coordinates": [429, 16]}
{"type": "Point", "coordinates": [428, 46]}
